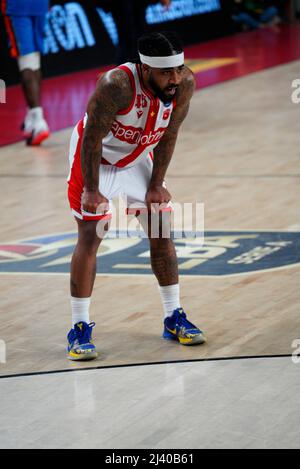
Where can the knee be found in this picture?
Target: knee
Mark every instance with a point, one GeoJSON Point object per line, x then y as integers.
{"type": "Point", "coordinates": [157, 226]}
{"type": "Point", "coordinates": [88, 238]}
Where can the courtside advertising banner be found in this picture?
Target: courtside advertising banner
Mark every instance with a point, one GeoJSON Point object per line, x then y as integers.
{"type": "Point", "coordinates": [83, 34]}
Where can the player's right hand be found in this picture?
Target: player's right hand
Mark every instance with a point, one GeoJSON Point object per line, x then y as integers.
{"type": "Point", "coordinates": [94, 202]}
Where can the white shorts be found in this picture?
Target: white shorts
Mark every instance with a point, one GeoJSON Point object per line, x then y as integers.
{"type": "Point", "coordinates": [130, 183]}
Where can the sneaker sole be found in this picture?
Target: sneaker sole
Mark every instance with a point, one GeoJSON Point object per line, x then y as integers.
{"type": "Point", "coordinates": [83, 357]}
{"type": "Point", "coordinates": [36, 141]}
{"type": "Point", "coordinates": [197, 340]}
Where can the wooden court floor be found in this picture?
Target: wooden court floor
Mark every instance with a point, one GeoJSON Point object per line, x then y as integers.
{"type": "Point", "coordinates": [239, 154]}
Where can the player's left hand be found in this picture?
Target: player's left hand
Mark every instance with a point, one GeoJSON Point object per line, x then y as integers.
{"type": "Point", "coordinates": [157, 194]}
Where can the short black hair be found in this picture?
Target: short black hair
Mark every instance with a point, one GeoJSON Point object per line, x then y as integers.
{"type": "Point", "coordinates": [161, 44]}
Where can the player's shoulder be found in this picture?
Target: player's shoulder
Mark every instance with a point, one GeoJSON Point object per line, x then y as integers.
{"type": "Point", "coordinates": [187, 86]}
{"type": "Point", "coordinates": [115, 84]}
{"type": "Point", "coordinates": [188, 75]}
{"type": "Point", "coordinates": [116, 78]}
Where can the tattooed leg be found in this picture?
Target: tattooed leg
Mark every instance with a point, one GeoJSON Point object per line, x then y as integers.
{"type": "Point", "coordinates": [83, 265]}
{"type": "Point", "coordinates": [163, 254]}
{"type": "Point", "coordinates": [164, 261]}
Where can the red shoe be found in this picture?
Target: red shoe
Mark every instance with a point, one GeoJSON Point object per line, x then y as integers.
{"type": "Point", "coordinates": [40, 133]}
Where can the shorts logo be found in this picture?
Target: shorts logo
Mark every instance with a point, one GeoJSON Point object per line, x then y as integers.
{"type": "Point", "coordinates": [223, 253]}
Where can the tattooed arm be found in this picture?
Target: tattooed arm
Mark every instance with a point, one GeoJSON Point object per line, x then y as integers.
{"type": "Point", "coordinates": [164, 151]}
{"type": "Point", "coordinates": [113, 93]}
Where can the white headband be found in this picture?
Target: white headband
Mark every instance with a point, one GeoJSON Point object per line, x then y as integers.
{"type": "Point", "coordinates": [170, 61]}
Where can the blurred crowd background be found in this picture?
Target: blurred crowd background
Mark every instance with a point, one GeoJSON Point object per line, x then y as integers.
{"type": "Point", "coordinates": [56, 37]}
{"type": "Point", "coordinates": [90, 33]}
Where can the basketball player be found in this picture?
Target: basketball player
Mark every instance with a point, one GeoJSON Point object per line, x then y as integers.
{"type": "Point", "coordinates": [123, 147]}
{"type": "Point", "coordinates": [25, 21]}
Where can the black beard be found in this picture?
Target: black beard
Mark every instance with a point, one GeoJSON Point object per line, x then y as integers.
{"type": "Point", "coordinates": [159, 93]}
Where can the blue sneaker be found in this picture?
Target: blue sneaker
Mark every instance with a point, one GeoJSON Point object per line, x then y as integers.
{"type": "Point", "coordinates": [80, 346]}
{"type": "Point", "coordinates": [177, 327]}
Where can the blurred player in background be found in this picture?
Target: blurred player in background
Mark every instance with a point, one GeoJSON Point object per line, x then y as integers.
{"type": "Point", "coordinates": [25, 22]}
{"type": "Point", "coordinates": [256, 14]}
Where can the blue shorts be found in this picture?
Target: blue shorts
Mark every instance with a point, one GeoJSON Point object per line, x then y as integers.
{"type": "Point", "coordinates": [26, 34]}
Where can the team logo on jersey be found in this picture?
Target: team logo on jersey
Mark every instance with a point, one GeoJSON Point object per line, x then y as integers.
{"type": "Point", "coordinates": [135, 135]}
{"type": "Point", "coordinates": [218, 254]}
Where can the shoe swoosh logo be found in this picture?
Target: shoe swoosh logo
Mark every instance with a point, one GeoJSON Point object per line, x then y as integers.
{"type": "Point", "coordinates": [173, 331]}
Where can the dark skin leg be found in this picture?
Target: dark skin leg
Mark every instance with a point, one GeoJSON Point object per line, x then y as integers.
{"type": "Point", "coordinates": [31, 84]}
{"type": "Point", "coordinates": [83, 265]}
{"type": "Point", "coordinates": [164, 261]}
{"type": "Point", "coordinates": [163, 254]}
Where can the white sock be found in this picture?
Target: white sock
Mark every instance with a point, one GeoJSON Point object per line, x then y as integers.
{"type": "Point", "coordinates": [170, 296]}
{"type": "Point", "coordinates": [36, 113]}
{"type": "Point", "coordinates": [80, 310]}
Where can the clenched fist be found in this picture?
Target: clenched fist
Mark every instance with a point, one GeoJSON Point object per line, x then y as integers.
{"type": "Point", "coordinates": [157, 194]}
{"type": "Point", "coordinates": [91, 201]}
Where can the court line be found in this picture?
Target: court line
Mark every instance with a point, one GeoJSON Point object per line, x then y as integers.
{"type": "Point", "coordinates": [132, 365]}
{"type": "Point", "coordinates": [150, 275]}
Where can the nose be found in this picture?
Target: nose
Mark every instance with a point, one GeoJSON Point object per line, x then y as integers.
{"type": "Point", "coordinates": [175, 78]}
